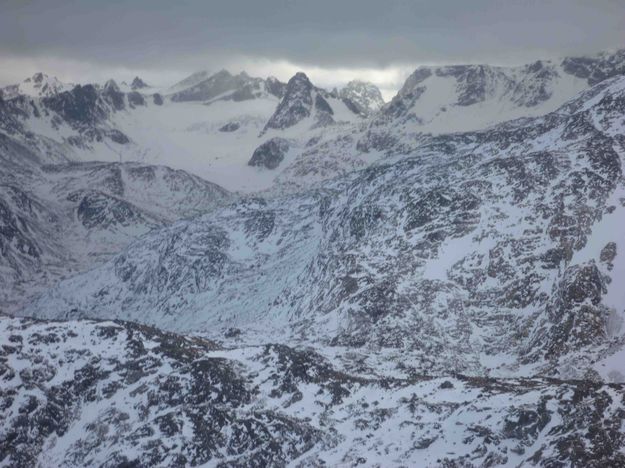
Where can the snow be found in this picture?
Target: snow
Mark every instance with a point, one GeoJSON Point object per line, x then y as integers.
{"type": "Point", "coordinates": [438, 109]}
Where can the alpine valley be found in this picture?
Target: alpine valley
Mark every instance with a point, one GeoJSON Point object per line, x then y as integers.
{"type": "Point", "coordinates": [238, 271]}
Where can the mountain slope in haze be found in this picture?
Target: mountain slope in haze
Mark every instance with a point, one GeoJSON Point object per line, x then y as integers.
{"type": "Point", "coordinates": [488, 250]}
{"type": "Point", "coordinates": [58, 219]}
{"type": "Point", "coordinates": [226, 86]}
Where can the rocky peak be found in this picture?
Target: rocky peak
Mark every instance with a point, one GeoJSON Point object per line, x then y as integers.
{"type": "Point", "coordinates": [596, 68]}
{"type": "Point", "coordinates": [113, 95]}
{"type": "Point", "coordinates": [78, 107]}
{"type": "Point", "coordinates": [38, 77]}
{"type": "Point", "coordinates": [275, 86]}
{"type": "Point", "coordinates": [38, 85]}
{"type": "Point", "coordinates": [111, 86]}
{"type": "Point", "coordinates": [138, 83]}
{"type": "Point", "coordinates": [296, 104]}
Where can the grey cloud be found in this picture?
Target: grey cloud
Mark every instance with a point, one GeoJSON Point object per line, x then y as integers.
{"type": "Point", "coordinates": [350, 33]}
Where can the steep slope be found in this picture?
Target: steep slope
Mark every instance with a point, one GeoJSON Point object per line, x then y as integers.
{"type": "Point", "coordinates": [225, 86]}
{"type": "Point", "coordinates": [189, 81]}
{"type": "Point", "coordinates": [112, 393]}
{"type": "Point", "coordinates": [477, 251]}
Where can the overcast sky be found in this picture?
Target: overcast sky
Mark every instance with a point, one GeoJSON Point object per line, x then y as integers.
{"type": "Point", "coordinates": [333, 41]}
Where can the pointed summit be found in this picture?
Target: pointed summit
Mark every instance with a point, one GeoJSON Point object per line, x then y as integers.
{"type": "Point", "coordinates": [111, 85]}
{"type": "Point", "coordinates": [138, 83]}
{"type": "Point", "coordinates": [296, 104]}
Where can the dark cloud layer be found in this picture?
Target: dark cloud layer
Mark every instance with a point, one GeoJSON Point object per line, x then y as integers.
{"type": "Point", "coordinates": [173, 37]}
{"type": "Point", "coordinates": [360, 33]}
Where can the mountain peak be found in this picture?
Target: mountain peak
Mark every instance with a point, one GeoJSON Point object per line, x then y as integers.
{"type": "Point", "coordinates": [37, 85]}
{"type": "Point", "coordinates": [111, 85]}
{"type": "Point", "coordinates": [365, 96]}
{"type": "Point", "coordinates": [296, 104]}
{"type": "Point", "coordinates": [299, 77]}
{"type": "Point", "coordinates": [138, 83]}
{"type": "Point", "coordinates": [38, 77]}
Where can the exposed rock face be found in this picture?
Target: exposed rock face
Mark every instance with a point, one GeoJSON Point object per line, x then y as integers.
{"type": "Point", "coordinates": [608, 254]}
{"type": "Point", "coordinates": [97, 209]}
{"type": "Point", "coordinates": [270, 154]}
{"type": "Point", "coordinates": [79, 106]}
{"type": "Point", "coordinates": [301, 101]}
{"type": "Point", "coordinates": [113, 393]}
{"type": "Point", "coordinates": [275, 87]}
{"type": "Point", "coordinates": [536, 86]}
{"type": "Point", "coordinates": [295, 105]}
{"type": "Point", "coordinates": [112, 94]}
{"type": "Point", "coordinates": [385, 302]}
{"type": "Point", "coordinates": [65, 218]}
{"type": "Point", "coordinates": [596, 69]}
{"type": "Point", "coordinates": [230, 127]}
{"type": "Point", "coordinates": [136, 99]}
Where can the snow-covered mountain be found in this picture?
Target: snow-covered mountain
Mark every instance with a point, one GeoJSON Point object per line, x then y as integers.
{"type": "Point", "coordinates": [38, 85]}
{"type": "Point", "coordinates": [211, 125]}
{"type": "Point", "coordinates": [307, 106]}
{"type": "Point", "coordinates": [138, 83]}
{"type": "Point", "coordinates": [422, 282]}
{"type": "Point", "coordinates": [490, 250]}
{"type": "Point", "coordinates": [58, 219]}
{"type": "Point", "coordinates": [444, 99]}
